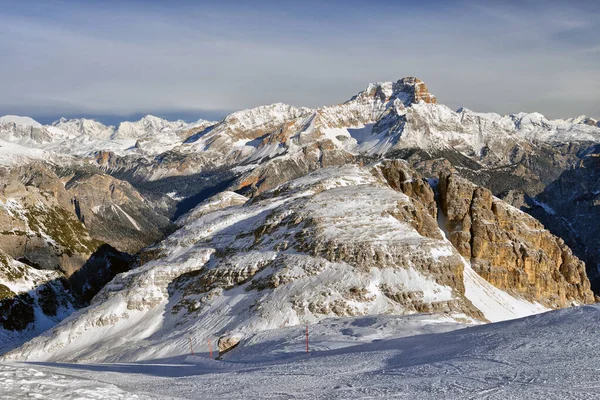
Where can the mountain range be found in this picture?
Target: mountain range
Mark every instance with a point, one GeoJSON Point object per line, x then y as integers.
{"type": "Point", "coordinates": [388, 203]}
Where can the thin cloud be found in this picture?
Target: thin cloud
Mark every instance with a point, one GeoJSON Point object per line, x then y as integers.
{"type": "Point", "coordinates": [75, 58]}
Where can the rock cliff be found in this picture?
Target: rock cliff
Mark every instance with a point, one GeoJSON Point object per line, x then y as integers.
{"type": "Point", "coordinates": [509, 248]}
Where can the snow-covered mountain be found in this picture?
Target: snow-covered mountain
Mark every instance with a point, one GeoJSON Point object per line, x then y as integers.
{"type": "Point", "coordinates": [386, 116]}
{"type": "Point", "coordinates": [81, 137]}
{"type": "Point", "coordinates": [342, 241]}
{"type": "Point", "coordinates": [147, 125]}
{"type": "Point", "coordinates": [382, 204]}
{"type": "Point", "coordinates": [582, 119]}
{"type": "Point", "coordinates": [84, 127]}
{"type": "Point", "coordinates": [20, 121]}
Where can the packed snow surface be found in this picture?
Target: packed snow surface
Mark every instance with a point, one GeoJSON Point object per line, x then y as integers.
{"type": "Point", "coordinates": [547, 356]}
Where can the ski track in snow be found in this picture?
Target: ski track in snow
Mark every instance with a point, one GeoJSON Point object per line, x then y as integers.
{"type": "Point", "coordinates": [547, 356]}
{"type": "Point", "coordinates": [23, 382]}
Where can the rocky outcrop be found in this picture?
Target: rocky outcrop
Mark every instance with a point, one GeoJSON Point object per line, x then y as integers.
{"type": "Point", "coordinates": [37, 227]}
{"type": "Point", "coordinates": [403, 178]}
{"type": "Point", "coordinates": [417, 89]}
{"type": "Point", "coordinates": [228, 342]}
{"type": "Point", "coordinates": [280, 170]}
{"type": "Point", "coordinates": [58, 219]}
{"type": "Point", "coordinates": [310, 217]}
{"type": "Point", "coordinates": [509, 248]}
{"type": "Point", "coordinates": [213, 203]}
{"type": "Point", "coordinates": [113, 211]}
{"type": "Point", "coordinates": [29, 296]}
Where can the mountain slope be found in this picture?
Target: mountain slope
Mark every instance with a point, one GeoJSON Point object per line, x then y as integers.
{"type": "Point", "coordinates": [343, 241]}
{"type": "Point", "coordinates": [310, 220]}
{"type": "Point", "coordinates": [31, 300]}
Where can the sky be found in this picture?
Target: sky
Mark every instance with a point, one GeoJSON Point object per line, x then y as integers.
{"type": "Point", "coordinates": [118, 60]}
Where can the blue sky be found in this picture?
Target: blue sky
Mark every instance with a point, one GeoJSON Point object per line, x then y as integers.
{"type": "Point", "coordinates": [120, 59]}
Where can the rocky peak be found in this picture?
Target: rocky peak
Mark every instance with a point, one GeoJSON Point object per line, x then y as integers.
{"type": "Point", "coordinates": [23, 130]}
{"type": "Point", "coordinates": [407, 90]}
{"type": "Point", "coordinates": [415, 88]}
{"type": "Point", "coordinates": [147, 125]}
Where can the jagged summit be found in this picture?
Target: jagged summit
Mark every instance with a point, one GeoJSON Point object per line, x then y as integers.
{"type": "Point", "coordinates": [408, 90]}
{"type": "Point", "coordinates": [416, 88]}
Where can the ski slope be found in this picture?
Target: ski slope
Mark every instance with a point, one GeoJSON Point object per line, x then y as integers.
{"type": "Point", "coordinates": [554, 355]}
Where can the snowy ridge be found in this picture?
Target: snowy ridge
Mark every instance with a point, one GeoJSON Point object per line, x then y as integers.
{"type": "Point", "coordinates": [85, 127]}
{"type": "Point", "coordinates": [17, 120]}
{"type": "Point", "coordinates": [257, 266]}
{"type": "Point", "coordinates": [385, 117]}
{"type": "Point", "coordinates": [82, 137]}
{"type": "Point", "coordinates": [147, 125]}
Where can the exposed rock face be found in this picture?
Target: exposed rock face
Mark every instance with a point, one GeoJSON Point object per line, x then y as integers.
{"type": "Point", "coordinates": [214, 203]}
{"type": "Point", "coordinates": [417, 89]}
{"type": "Point", "coordinates": [280, 170]}
{"type": "Point", "coordinates": [29, 299]}
{"type": "Point", "coordinates": [38, 224]}
{"type": "Point", "coordinates": [510, 249]}
{"type": "Point", "coordinates": [113, 211]}
{"type": "Point", "coordinates": [305, 236]}
{"type": "Point", "coordinates": [406, 180]}
{"type": "Point", "coordinates": [337, 242]}
{"type": "Point", "coordinates": [525, 167]}
{"type": "Point", "coordinates": [59, 226]}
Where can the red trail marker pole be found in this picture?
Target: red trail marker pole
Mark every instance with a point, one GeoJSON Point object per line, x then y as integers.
{"type": "Point", "coordinates": [191, 348]}
{"type": "Point", "coordinates": [306, 338]}
{"type": "Point", "coordinates": [209, 347]}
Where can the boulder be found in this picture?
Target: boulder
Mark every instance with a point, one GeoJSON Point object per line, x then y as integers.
{"type": "Point", "coordinates": [228, 342]}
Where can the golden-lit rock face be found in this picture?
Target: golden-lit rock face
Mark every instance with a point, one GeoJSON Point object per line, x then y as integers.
{"type": "Point", "coordinates": [509, 248]}
{"type": "Point", "coordinates": [421, 93]}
